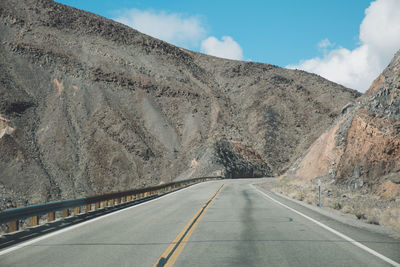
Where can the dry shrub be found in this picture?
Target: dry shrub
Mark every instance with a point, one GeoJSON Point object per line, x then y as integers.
{"type": "Point", "coordinates": [360, 214]}
{"type": "Point", "coordinates": [332, 203]}
{"type": "Point", "coordinates": [373, 216]}
{"type": "Point", "coordinates": [391, 218]}
{"type": "Point", "coordinates": [292, 194]}
{"type": "Point", "coordinates": [300, 196]}
{"type": "Point", "coordinates": [337, 205]}
{"type": "Point", "coordinates": [311, 199]}
{"type": "Point", "coordinates": [347, 209]}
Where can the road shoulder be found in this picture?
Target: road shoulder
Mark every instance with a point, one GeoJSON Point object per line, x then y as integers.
{"type": "Point", "coordinates": [374, 237]}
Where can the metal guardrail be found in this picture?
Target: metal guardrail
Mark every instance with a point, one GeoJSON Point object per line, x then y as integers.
{"type": "Point", "coordinates": [14, 215]}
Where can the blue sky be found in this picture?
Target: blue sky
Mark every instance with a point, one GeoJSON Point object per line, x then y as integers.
{"type": "Point", "coordinates": [309, 34]}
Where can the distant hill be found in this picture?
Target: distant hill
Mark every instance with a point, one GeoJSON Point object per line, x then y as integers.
{"type": "Point", "coordinates": [88, 105]}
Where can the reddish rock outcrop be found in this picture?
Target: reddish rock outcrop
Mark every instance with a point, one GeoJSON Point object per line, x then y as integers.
{"type": "Point", "coordinates": [361, 150]}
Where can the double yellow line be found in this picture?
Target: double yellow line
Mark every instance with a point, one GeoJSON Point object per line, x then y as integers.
{"type": "Point", "coordinates": [171, 254]}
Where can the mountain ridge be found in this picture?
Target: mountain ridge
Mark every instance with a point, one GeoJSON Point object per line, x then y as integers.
{"type": "Point", "coordinates": [89, 105]}
{"type": "Point", "coordinates": [357, 158]}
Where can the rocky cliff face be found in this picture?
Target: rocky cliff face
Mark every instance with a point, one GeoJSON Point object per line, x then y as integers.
{"type": "Point", "coordinates": [88, 105]}
{"type": "Point", "coordinates": [357, 158]}
{"type": "Point", "coordinates": [362, 149]}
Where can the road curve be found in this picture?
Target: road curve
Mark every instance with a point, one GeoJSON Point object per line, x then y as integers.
{"type": "Point", "coordinates": [233, 225]}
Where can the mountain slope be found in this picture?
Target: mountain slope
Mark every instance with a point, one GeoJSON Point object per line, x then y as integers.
{"type": "Point", "coordinates": [363, 147]}
{"type": "Point", "coordinates": [88, 105]}
{"type": "Point", "coordinates": [358, 157]}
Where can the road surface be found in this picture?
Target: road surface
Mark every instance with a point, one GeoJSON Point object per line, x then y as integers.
{"type": "Point", "coordinates": [219, 223]}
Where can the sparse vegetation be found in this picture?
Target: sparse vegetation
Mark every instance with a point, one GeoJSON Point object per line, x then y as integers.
{"type": "Point", "coordinates": [370, 209]}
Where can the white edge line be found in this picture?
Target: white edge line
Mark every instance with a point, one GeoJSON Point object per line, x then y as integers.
{"type": "Point", "coordinates": [345, 237]}
{"type": "Point", "coordinates": [30, 242]}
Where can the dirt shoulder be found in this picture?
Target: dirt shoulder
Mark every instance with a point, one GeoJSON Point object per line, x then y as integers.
{"type": "Point", "coordinates": [349, 207]}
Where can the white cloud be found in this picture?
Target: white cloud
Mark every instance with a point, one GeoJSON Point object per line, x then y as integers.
{"type": "Point", "coordinates": [183, 31]}
{"type": "Point", "coordinates": [325, 43]}
{"type": "Point", "coordinates": [357, 68]}
{"type": "Point", "coordinates": [170, 27]}
{"type": "Point", "coordinates": [227, 48]}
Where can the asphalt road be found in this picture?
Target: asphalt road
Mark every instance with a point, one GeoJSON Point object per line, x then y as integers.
{"type": "Point", "coordinates": [238, 226]}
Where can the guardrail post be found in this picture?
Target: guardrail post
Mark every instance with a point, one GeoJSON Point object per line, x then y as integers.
{"type": "Point", "coordinates": [51, 216]}
{"type": "Point", "coordinates": [96, 205]}
{"type": "Point", "coordinates": [77, 210]}
{"type": "Point", "coordinates": [34, 221]}
{"type": "Point", "coordinates": [88, 207]}
{"type": "Point", "coordinates": [65, 213]}
{"type": "Point", "coordinates": [13, 226]}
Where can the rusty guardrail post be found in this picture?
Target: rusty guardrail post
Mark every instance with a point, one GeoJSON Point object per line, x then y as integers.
{"type": "Point", "coordinates": [34, 221]}
{"type": "Point", "coordinates": [77, 210]}
{"type": "Point", "coordinates": [13, 226]}
{"type": "Point", "coordinates": [65, 213]}
{"type": "Point", "coordinates": [51, 216]}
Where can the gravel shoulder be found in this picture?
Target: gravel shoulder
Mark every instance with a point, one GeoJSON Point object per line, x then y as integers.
{"type": "Point", "coordinates": [272, 185]}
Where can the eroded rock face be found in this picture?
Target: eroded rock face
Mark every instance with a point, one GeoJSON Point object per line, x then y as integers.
{"type": "Point", "coordinates": [366, 151]}
{"type": "Point", "coordinates": [372, 150]}
{"type": "Point", "coordinates": [96, 106]}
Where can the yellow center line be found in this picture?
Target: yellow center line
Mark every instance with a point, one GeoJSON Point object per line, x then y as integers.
{"type": "Point", "coordinates": [171, 254]}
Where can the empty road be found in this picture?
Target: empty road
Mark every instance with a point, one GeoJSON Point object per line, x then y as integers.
{"type": "Point", "coordinates": [219, 223]}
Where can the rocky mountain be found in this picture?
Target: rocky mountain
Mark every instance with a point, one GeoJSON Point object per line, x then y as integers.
{"type": "Point", "coordinates": [362, 148]}
{"type": "Point", "coordinates": [358, 157]}
{"type": "Point", "coordinates": [88, 105]}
